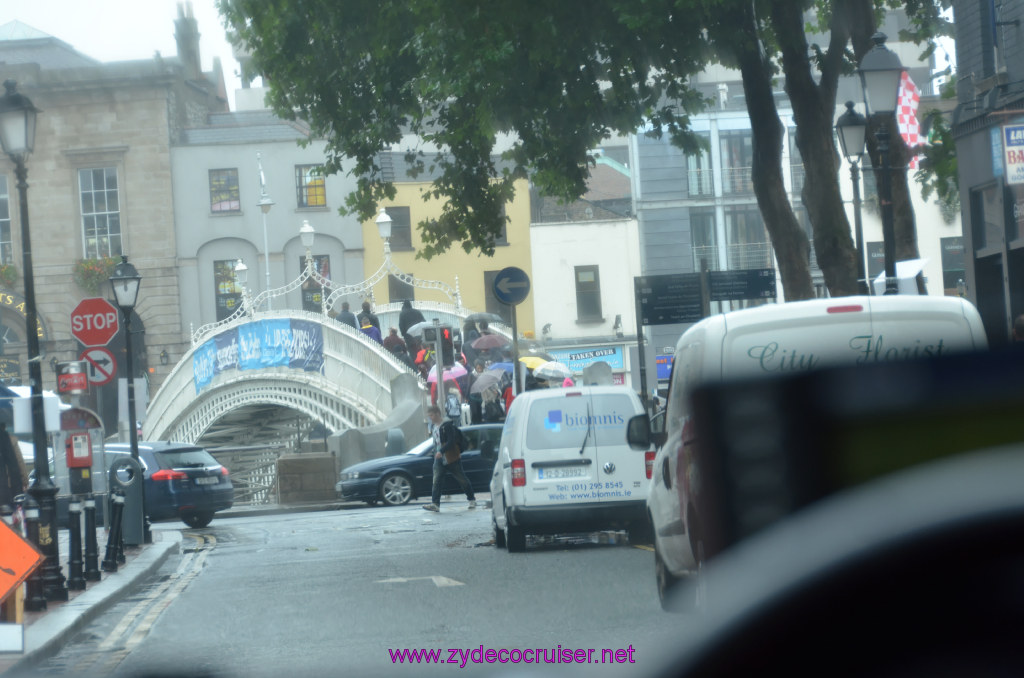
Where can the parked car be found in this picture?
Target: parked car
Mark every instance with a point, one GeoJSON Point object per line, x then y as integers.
{"type": "Point", "coordinates": [565, 465]}
{"type": "Point", "coordinates": [397, 479]}
{"type": "Point", "coordinates": [780, 339]}
{"type": "Point", "coordinates": [180, 481]}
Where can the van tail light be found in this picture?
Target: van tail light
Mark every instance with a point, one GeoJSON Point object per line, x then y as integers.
{"type": "Point", "coordinates": [649, 463]}
{"type": "Point", "coordinates": [169, 474]}
{"type": "Point", "coordinates": [518, 473]}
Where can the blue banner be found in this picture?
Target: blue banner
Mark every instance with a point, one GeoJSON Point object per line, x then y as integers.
{"type": "Point", "coordinates": [298, 344]}
{"type": "Point", "coordinates": [577, 359]}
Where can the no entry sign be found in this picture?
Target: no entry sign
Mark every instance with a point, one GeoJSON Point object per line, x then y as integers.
{"type": "Point", "coordinates": [94, 322]}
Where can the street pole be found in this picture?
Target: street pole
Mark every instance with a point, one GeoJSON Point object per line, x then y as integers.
{"type": "Point", "coordinates": [885, 199]}
{"type": "Point", "coordinates": [858, 227]}
{"type": "Point", "coordinates": [42, 488]}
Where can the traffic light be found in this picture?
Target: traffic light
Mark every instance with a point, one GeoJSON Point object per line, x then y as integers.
{"type": "Point", "coordinates": [447, 347]}
{"type": "Point", "coordinates": [429, 335]}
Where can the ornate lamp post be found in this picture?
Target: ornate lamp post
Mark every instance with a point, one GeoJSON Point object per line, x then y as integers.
{"type": "Point", "coordinates": [851, 128]}
{"type": "Point", "coordinates": [18, 137]}
{"type": "Point", "coordinates": [242, 277]}
{"type": "Point", "coordinates": [125, 283]}
{"type": "Point", "coordinates": [265, 203]}
{"type": "Point", "coordinates": [880, 74]}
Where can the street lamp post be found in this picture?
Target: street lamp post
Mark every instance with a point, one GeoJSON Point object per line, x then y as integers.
{"type": "Point", "coordinates": [265, 203]}
{"type": "Point", "coordinates": [880, 74]}
{"type": "Point", "coordinates": [307, 234]}
{"type": "Point", "coordinates": [241, 278]}
{"type": "Point", "coordinates": [851, 127]}
{"type": "Point", "coordinates": [17, 136]}
{"type": "Point", "coordinates": [125, 283]}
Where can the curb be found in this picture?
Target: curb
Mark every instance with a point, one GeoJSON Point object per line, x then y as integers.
{"type": "Point", "coordinates": [45, 637]}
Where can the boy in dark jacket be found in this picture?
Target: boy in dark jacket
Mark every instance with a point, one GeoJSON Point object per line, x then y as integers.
{"type": "Point", "coordinates": [447, 443]}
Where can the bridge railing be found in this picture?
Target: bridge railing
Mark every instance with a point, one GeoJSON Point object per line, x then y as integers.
{"type": "Point", "coordinates": [356, 369]}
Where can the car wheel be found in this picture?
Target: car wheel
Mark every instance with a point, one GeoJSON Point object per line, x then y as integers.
{"type": "Point", "coordinates": [197, 518]}
{"type": "Point", "coordinates": [666, 581]}
{"type": "Point", "coordinates": [499, 535]}
{"type": "Point", "coordinates": [515, 538]}
{"type": "Point", "coordinates": [396, 489]}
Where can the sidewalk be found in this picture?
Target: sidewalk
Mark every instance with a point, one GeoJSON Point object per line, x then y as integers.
{"type": "Point", "coordinates": [48, 630]}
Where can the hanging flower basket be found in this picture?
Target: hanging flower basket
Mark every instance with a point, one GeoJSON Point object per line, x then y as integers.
{"type": "Point", "coordinates": [8, 275]}
{"type": "Point", "coordinates": [92, 274]}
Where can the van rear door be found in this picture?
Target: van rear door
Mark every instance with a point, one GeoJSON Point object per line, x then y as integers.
{"type": "Point", "coordinates": [570, 436]}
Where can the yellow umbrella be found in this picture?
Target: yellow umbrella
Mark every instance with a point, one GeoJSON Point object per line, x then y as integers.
{"type": "Point", "coordinates": [532, 361]}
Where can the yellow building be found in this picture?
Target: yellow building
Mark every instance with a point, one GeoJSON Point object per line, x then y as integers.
{"type": "Point", "coordinates": [475, 272]}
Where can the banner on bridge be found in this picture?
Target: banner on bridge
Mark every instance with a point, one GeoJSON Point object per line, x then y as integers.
{"type": "Point", "coordinates": [298, 344]}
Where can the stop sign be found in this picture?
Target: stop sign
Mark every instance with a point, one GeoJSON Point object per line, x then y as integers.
{"type": "Point", "coordinates": [94, 322]}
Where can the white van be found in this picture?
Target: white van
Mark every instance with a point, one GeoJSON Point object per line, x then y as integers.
{"type": "Point", "coordinates": [772, 340]}
{"type": "Point", "coordinates": [564, 465]}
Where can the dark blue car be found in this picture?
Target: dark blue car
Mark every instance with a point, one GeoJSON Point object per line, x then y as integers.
{"type": "Point", "coordinates": [181, 481]}
{"type": "Point", "coordinates": [396, 479]}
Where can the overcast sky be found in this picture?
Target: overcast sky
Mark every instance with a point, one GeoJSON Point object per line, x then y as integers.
{"type": "Point", "coordinates": [118, 30]}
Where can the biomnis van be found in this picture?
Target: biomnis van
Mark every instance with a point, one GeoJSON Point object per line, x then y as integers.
{"type": "Point", "coordinates": [564, 465]}
{"type": "Point", "coordinates": [774, 340]}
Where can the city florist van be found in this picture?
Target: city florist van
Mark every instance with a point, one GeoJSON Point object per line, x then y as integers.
{"type": "Point", "coordinates": [780, 339]}
{"type": "Point", "coordinates": [564, 465]}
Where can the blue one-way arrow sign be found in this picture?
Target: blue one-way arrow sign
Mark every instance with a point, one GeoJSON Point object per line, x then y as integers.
{"type": "Point", "coordinates": [511, 285]}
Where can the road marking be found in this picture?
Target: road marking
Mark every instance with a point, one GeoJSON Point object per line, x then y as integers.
{"type": "Point", "coordinates": [438, 580]}
{"type": "Point", "coordinates": [131, 630]}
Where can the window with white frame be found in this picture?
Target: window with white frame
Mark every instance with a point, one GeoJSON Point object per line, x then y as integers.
{"type": "Point", "coordinates": [101, 212]}
{"type": "Point", "coordinates": [309, 185]}
{"type": "Point", "coordinates": [224, 193]}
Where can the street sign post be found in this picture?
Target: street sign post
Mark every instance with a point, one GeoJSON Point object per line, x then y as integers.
{"type": "Point", "coordinates": [101, 365]}
{"type": "Point", "coordinates": [94, 322]}
{"type": "Point", "coordinates": [512, 286]}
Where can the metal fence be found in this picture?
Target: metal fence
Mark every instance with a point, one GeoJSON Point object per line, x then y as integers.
{"type": "Point", "coordinates": [253, 472]}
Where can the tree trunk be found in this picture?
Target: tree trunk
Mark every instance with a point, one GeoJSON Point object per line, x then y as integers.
{"type": "Point", "coordinates": [788, 239]}
{"type": "Point", "coordinates": [813, 109]}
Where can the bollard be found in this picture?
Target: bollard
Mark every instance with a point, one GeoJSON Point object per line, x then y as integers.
{"type": "Point", "coordinates": [35, 601]}
{"type": "Point", "coordinates": [92, 554]}
{"type": "Point", "coordinates": [121, 559]}
{"type": "Point", "coordinates": [109, 563]}
{"type": "Point", "coordinates": [76, 582]}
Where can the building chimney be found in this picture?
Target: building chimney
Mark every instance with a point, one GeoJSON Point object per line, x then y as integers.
{"type": "Point", "coordinates": [186, 33]}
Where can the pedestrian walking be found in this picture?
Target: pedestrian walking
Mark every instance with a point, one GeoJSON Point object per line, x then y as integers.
{"type": "Point", "coordinates": [448, 443]}
{"type": "Point", "coordinates": [348, 317]}
{"type": "Point", "coordinates": [393, 341]}
{"type": "Point", "coordinates": [408, 317]}
{"type": "Point", "coordinates": [367, 315]}
{"type": "Point", "coordinates": [369, 330]}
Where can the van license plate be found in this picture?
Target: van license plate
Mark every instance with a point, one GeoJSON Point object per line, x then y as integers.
{"type": "Point", "coordinates": [561, 472]}
{"type": "Point", "coordinates": [210, 480]}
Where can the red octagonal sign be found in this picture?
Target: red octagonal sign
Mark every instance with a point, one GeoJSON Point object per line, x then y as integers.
{"type": "Point", "coordinates": [94, 322]}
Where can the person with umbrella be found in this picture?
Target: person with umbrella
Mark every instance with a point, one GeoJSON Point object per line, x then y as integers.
{"type": "Point", "coordinates": [469, 335]}
{"type": "Point", "coordinates": [476, 399]}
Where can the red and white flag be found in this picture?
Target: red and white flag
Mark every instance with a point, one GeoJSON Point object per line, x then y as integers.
{"type": "Point", "coordinates": [906, 114]}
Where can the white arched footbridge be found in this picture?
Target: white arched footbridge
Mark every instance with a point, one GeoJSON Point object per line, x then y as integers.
{"type": "Point", "coordinates": [252, 373]}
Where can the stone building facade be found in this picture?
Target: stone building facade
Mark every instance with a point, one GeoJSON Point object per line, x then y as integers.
{"type": "Point", "coordinates": [99, 187]}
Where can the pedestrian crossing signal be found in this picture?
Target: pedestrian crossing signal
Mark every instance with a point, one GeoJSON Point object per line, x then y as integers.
{"type": "Point", "coordinates": [447, 347]}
